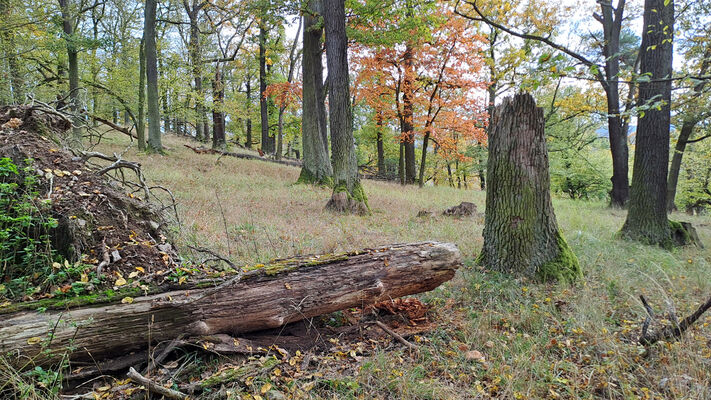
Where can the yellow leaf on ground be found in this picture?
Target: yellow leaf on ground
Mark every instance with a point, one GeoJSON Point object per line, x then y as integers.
{"type": "Point", "coordinates": [181, 280]}
{"type": "Point", "coordinates": [265, 388]}
{"type": "Point", "coordinates": [34, 340]}
{"type": "Point", "coordinates": [127, 300]}
{"type": "Point", "coordinates": [84, 277]}
{"type": "Point", "coordinates": [120, 281]}
{"type": "Point", "coordinates": [133, 275]}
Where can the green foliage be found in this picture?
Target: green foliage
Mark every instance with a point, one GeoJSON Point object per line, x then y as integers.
{"type": "Point", "coordinates": [693, 192]}
{"type": "Point", "coordinates": [25, 253]}
{"type": "Point", "coordinates": [581, 175]}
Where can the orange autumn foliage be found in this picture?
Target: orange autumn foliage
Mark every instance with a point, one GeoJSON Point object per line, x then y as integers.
{"type": "Point", "coordinates": [448, 84]}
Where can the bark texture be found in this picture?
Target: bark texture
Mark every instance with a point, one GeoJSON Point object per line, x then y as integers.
{"type": "Point", "coordinates": [647, 217]}
{"type": "Point", "coordinates": [611, 20]}
{"type": "Point", "coordinates": [149, 35]}
{"type": "Point", "coordinates": [219, 140]}
{"type": "Point", "coordinates": [317, 166]}
{"type": "Point", "coordinates": [521, 234]}
{"type": "Point", "coordinates": [141, 126]}
{"type": "Point", "coordinates": [267, 139]}
{"type": "Point", "coordinates": [276, 294]}
{"type": "Point", "coordinates": [73, 61]}
{"type": "Point", "coordinates": [348, 194]}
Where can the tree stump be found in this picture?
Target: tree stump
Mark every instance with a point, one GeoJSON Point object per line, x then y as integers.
{"type": "Point", "coordinates": [521, 234]}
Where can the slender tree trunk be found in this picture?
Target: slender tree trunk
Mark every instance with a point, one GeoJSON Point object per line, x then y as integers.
{"type": "Point", "coordinates": [687, 129]}
{"type": "Point", "coordinates": [520, 231]}
{"type": "Point", "coordinates": [611, 20]}
{"type": "Point", "coordinates": [379, 143]}
{"type": "Point", "coordinates": [647, 217]}
{"type": "Point", "coordinates": [348, 194]}
{"type": "Point", "coordinates": [73, 61]}
{"type": "Point", "coordinates": [316, 166]}
{"type": "Point", "coordinates": [218, 115]}
{"type": "Point", "coordinates": [193, 12]}
{"type": "Point", "coordinates": [7, 39]}
{"type": "Point", "coordinates": [423, 161]}
{"type": "Point", "coordinates": [149, 34]}
{"type": "Point", "coordinates": [401, 163]}
{"type": "Point", "coordinates": [280, 134]}
{"type": "Point", "coordinates": [267, 140]}
{"type": "Point", "coordinates": [408, 132]}
{"type": "Point", "coordinates": [141, 128]}
{"type": "Point", "coordinates": [248, 142]}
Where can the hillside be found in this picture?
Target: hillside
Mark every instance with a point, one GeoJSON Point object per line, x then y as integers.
{"type": "Point", "coordinates": [493, 335]}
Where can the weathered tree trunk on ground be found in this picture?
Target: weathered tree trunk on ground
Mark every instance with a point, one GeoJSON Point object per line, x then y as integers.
{"type": "Point", "coordinates": [149, 34]}
{"type": "Point", "coordinates": [647, 217]}
{"type": "Point", "coordinates": [521, 234]}
{"type": "Point", "coordinates": [279, 293]}
{"type": "Point", "coordinates": [317, 166]}
{"type": "Point", "coordinates": [141, 126]}
{"type": "Point", "coordinates": [348, 194]}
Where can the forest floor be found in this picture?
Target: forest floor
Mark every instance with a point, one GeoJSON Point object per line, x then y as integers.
{"type": "Point", "coordinates": [493, 336]}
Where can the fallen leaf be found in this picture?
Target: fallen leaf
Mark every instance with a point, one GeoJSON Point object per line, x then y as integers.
{"type": "Point", "coordinates": [127, 300]}
{"type": "Point", "coordinates": [120, 281]}
{"type": "Point", "coordinates": [474, 355]}
{"type": "Point", "coordinates": [265, 388]}
{"type": "Point", "coordinates": [34, 340]}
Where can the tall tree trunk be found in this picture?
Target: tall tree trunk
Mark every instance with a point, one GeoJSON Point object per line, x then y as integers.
{"type": "Point", "coordinates": [218, 114]}
{"type": "Point", "coordinates": [408, 126]}
{"type": "Point", "coordinates": [521, 234]}
{"type": "Point", "coordinates": [7, 39]}
{"type": "Point", "coordinates": [193, 12]}
{"type": "Point", "coordinates": [348, 194]}
{"type": "Point", "coordinates": [379, 143]}
{"type": "Point", "coordinates": [647, 217]}
{"type": "Point", "coordinates": [611, 20]}
{"type": "Point", "coordinates": [149, 34]}
{"type": "Point", "coordinates": [316, 166]}
{"type": "Point", "coordinates": [248, 142]}
{"type": "Point", "coordinates": [267, 140]}
{"type": "Point", "coordinates": [73, 61]}
{"type": "Point", "coordinates": [280, 134]}
{"type": "Point", "coordinates": [141, 128]}
{"type": "Point", "coordinates": [687, 129]}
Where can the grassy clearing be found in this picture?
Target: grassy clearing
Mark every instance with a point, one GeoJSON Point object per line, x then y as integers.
{"type": "Point", "coordinates": [536, 341]}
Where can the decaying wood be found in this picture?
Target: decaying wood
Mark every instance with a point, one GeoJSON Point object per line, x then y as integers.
{"type": "Point", "coordinates": [283, 161]}
{"type": "Point", "coordinates": [125, 131]}
{"type": "Point", "coordinates": [153, 387]}
{"type": "Point", "coordinates": [674, 330]}
{"type": "Point", "coordinates": [281, 292]}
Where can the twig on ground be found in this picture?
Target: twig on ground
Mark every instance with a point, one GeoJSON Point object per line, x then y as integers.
{"type": "Point", "coordinates": [673, 331]}
{"type": "Point", "coordinates": [163, 354]}
{"type": "Point", "coordinates": [154, 387]}
{"type": "Point", "coordinates": [394, 334]}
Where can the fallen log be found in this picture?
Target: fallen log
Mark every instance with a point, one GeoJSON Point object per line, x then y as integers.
{"type": "Point", "coordinates": [284, 161]}
{"type": "Point", "coordinates": [265, 297]}
{"type": "Point", "coordinates": [125, 131]}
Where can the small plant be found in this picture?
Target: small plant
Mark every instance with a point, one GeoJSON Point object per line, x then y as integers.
{"type": "Point", "coordinates": [25, 253]}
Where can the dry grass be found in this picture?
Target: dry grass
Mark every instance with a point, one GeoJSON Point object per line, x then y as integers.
{"type": "Point", "coordinates": [540, 341]}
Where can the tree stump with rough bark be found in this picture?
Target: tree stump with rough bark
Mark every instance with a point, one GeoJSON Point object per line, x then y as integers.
{"type": "Point", "coordinates": [267, 297]}
{"type": "Point", "coordinates": [521, 234]}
